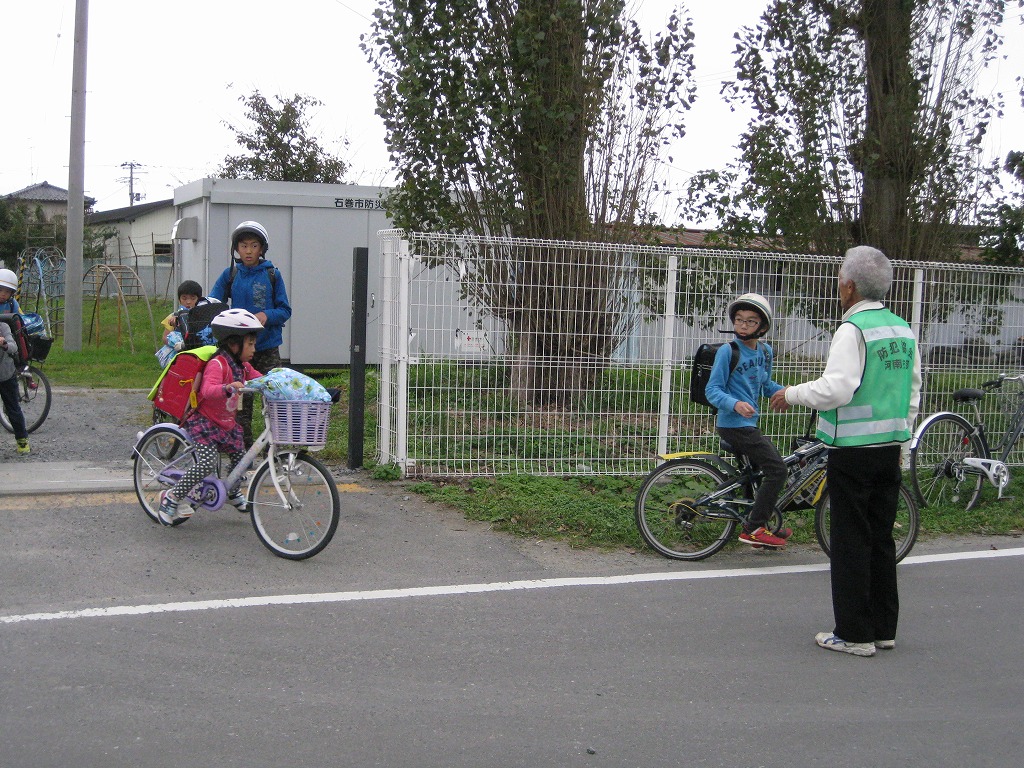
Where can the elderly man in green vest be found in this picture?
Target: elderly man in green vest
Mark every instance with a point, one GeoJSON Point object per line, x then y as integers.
{"type": "Point", "coordinates": [867, 398]}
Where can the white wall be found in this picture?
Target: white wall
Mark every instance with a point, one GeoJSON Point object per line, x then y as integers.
{"type": "Point", "coordinates": [313, 230]}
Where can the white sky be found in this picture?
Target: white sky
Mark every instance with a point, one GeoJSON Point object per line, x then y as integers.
{"type": "Point", "coordinates": [162, 78]}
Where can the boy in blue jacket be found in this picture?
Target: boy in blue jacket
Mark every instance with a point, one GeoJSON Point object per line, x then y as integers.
{"type": "Point", "coordinates": [255, 284]}
{"type": "Point", "coordinates": [735, 394]}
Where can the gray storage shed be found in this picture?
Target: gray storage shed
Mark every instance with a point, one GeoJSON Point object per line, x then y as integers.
{"type": "Point", "coordinates": [313, 229]}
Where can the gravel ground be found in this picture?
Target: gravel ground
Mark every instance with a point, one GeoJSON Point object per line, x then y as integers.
{"type": "Point", "coordinates": [97, 425]}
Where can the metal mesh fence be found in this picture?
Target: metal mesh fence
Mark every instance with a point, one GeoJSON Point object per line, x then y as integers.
{"type": "Point", "coordinates": [556, 358]}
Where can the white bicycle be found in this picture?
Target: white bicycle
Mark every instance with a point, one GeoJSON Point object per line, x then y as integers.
{"type": "Point", "coordinates": [292, 499]}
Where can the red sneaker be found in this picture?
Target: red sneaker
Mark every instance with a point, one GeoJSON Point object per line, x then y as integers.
{"type": "Point", "coordinates": [761, 537]}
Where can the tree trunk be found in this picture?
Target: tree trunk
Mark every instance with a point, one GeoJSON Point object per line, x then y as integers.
{"type": "Point", "coordinates": [888, 158]}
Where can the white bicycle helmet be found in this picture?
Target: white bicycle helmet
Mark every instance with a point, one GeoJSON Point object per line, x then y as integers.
{"type": "Point", "coordinates": [234, 322]}
{"type": "Point", "coordinates": [8, 279]}
{"type": "Point", "coordinates": [756, 303]}
{"type": "Point", "coordinates": [250, 228]}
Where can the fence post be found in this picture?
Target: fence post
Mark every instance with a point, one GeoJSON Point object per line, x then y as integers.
{"type": "Point", "coordinates": [667, 366]}
{"type": "Point", "coordinates": [401, 449]}
{"type": "Point", "coordinates": [357, 358]}
{"type": "Point", "coordinates": [387, 355]}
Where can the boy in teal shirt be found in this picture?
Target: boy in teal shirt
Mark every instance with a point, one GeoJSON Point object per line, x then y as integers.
{"type": "Point", "coordinates": [735, 394]}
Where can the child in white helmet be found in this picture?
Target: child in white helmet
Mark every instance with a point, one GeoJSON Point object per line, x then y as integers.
{"type": "Point", "coordinates": [735, 393]}
{"type": "Point", "coordinates": [8, 366]}
{"type": "Point", "coordinates": [8, 287]}
{"type": "Point", "coordinates": [213, 425]}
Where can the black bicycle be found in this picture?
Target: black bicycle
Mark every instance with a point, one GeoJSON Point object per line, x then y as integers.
{"type": "Point", "coordinates": [688, 508]}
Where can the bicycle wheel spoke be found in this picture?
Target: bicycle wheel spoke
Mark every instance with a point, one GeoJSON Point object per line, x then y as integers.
{"type": "Point", "coordinates": [671, 517]}
{"type": "Point", "coordinates": [937, 464]}
{"type": "Point", "coordinates": [160, 458]}
{"type": "Point", "coordinates": [300, 519]}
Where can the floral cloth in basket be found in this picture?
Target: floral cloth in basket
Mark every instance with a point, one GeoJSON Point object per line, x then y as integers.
{"type": "Point", "coordinates": [286, 384]}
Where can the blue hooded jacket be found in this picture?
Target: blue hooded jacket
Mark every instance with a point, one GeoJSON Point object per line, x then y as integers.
{"type": "Point", "coordinates": [253, 290]}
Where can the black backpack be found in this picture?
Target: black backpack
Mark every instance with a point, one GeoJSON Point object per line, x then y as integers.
{"type": "Point", "coordinates": [704, 361]}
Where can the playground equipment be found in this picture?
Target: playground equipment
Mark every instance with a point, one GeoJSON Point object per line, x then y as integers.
{"type": "Point", "coordinates": [123, 282]}
{"type": "Point", "coordinates": [41, 285]}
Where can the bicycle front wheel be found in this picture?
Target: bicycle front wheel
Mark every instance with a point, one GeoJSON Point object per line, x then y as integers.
{"type": "Point", "coordinates": [161, 458]}
{"type": "Point", "coordinates": [670, 516]}
{"type": "Point", "coordinates": [904, 531]}
{"type": "Point", "coordinates": [300, 520]}
{"type": "Point", "coordinates": [34, 398]}
{"type": "Point", "coordinates": [937, 463]}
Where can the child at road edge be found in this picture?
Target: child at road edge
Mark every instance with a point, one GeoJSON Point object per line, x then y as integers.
{"type": "Point", "coordinates": [8, 364]}
{"type": "Point", "coordinates": [212, 426]}
{"type": "Point", "coordinates": [735, 395]}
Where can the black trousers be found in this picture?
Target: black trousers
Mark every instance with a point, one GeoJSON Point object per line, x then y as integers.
{"type": "Point", "coordinates": [863, 490]}
{"type": "Point", "coordinates": [763, 454]}
{"type": "Point", "coordinates": [12, 406]}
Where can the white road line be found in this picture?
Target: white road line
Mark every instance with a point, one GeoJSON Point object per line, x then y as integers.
{"type": "Point", "coordinates": [467, 589]}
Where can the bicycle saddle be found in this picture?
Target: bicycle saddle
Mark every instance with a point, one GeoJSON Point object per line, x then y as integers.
{"type": "Point", "coordinates": [966, 395]}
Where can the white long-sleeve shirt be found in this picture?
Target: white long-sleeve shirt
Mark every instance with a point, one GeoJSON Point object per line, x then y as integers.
{"type": "Point", "coordinates": [844, 370]}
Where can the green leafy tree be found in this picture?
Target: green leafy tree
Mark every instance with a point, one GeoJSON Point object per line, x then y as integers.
{"type": "Point", "coordinates": [23, 227]}
{"type": "Point", "coordinates": [277, 143]}
{"type": "Point", "coordinates": [1004, 240]}
{"type": "Point", "coordinates": [535, 119]}
{"type": "Point", "coordinates": [867, 126]}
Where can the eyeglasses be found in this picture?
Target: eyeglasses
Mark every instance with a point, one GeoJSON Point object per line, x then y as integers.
{"type": "Point", "coordinates": [748, 322]}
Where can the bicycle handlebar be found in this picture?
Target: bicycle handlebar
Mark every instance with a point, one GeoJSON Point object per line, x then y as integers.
{"type": "Point", "coordinates": [997, 383]}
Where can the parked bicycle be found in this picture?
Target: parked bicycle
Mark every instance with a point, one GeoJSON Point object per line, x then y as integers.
{"type": "Point", "coordinates": [950, 457]}
{"type": "Point", "coordinates": [688, 508]}
{"type": "Point", "coordinates": [292, 500]}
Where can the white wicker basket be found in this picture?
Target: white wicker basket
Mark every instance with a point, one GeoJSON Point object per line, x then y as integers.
{"type": "Point", "coordinates": [298, 422]}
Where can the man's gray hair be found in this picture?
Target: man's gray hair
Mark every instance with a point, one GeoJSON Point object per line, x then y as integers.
{"type": "Point", "coordinates": [870, 269]}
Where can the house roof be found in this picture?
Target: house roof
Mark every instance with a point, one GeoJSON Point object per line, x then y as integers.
{"type": "Point", "coordinates": [46, 192]}
{"type": "Point", "coordinates": [130, 212]}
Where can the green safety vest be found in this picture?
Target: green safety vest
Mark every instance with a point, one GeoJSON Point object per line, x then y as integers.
{"type": "Point", "coordinates": [879, 409]}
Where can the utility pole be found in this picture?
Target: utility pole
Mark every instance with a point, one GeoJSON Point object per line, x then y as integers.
{"type": "Point", "coordinates": [133, 198]}
{"type": "Point", "coordinates": [76, 186]}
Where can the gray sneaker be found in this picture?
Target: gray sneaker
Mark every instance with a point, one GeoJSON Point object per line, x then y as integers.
{"type": "Point", "coordinates": [170, 513]}
{"type": "Point", "coordinates": [237, 500]}
{"type": "Point", "coordinates": [829, 641]}
{"type": "Point", "coordinates": [885, 645]}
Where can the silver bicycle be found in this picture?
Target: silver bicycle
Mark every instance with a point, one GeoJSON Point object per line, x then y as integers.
{"type": "Point", "coordinates": [292, 499]}
{"type": "Point", "coordinates": [950, 457]}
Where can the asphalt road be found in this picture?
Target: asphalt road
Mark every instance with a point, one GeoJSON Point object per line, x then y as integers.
{"type": "Point", "coordinates": [419, 639]}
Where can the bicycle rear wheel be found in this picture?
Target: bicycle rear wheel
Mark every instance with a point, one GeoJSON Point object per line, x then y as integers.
{"type": "Point", "coordinates": [34, 397]}
{"type": "Point", "coordinates": [169, 447]}
{"type": "Point", "coordinates": [904, 532]}
{"type": "Point", "coordinates": [937, 462]}
{"type": "Point", "coordinates": [670, 519]}
{"type": "Point", "coordinates": [154, 471]}
{"type": "Point", "coordinates": [303, 521]}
